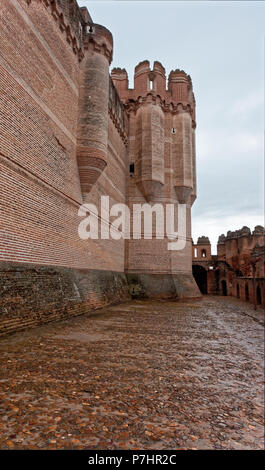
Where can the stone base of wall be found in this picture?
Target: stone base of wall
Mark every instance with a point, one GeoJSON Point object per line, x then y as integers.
{"type": "Point", "coordinates": [168, 286]}
{"type": "Point", "coordinates": [31, 295]}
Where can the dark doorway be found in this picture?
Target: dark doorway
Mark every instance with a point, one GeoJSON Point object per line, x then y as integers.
{"type": "Point", "coordinates": [258, 296]}
{"type": "Point", "coordinates": [246, 292]}
{"type": "Point", "coordinates": [217, 278]}
{"type": "Point", "coordinates": [224, 288]}
{"type": "Point", "coordinates": [200, 276]}
{"type": "Point", "coordinates": [237, 291]}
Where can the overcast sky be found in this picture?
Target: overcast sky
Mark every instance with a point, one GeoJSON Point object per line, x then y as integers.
{"type": "Point", "coordinates": [221, 45]}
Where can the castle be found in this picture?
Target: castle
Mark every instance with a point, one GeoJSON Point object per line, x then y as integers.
{"type": "Point", "coordinates": [71, 133]}
{"type": "Point", "coordinates": [230, 272]}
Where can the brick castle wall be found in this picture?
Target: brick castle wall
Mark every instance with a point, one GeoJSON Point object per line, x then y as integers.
{"type": "Point", "coordinates": [67, 137]}
{"type": "Point", "coordinates": [230, 272]}
{"type": "Point", "coordinates": [40, 184]}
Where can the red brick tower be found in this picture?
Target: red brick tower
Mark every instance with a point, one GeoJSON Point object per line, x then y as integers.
{"type": "Point", "coordinates": [162, 160]}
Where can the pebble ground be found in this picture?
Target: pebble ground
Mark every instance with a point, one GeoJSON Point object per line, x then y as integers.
{"type": "Point", "coordinates": [141, 375]}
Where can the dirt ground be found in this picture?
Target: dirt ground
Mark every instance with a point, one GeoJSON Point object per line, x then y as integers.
{"type": "Point", "coordinates": [141, 375]}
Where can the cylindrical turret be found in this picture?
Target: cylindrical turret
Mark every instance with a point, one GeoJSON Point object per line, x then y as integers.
{"type": "Point", "coordinates": [180, 86]}
{"type": "Point", "coordinates": [183, 148]}
{"type": "Point", "coordinates": [194, 178]}
{"type": "Point", "coordinates": [150, 149]}
{"type": "Point", "coordinates": [92, 132]}
{"type": "Point", "coordinates": [159, 79]}
{"type": "Point", "coordinates": [182, 155]}
{"type": "Point", "coordinates": [193, 132]}
{"type": "Point", "coordinates": [141, 78]}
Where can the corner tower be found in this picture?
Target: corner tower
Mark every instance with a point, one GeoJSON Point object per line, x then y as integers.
{"type": "Point", "coordinates": [162, 171]}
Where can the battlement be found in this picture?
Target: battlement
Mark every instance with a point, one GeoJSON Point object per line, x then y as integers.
{"type": "Point", "coordinates": [117, 112]}
{"type": "Point", "coordinates": [119, 74]}
{"type": "Point", "coordinates": [235, 247]}
{"type": "Point", "coordinates": [180, 86]}
{"type": "Point", "coordinates": [158, 68]}
{"type": "Point", "coordinates": [99, 39]}
{"type": "Point", "coordinates": [221, 239]}
{"type": "Point", "coordinates": [152, 81]}
{"type": "Point", "coordinates": [71, 20]}
{"type": "Point", "coordinates": [179, 75]}
{"type": "Point", "coordinates": [120, 78]}
{"type": "Point", "coordinates": [258, 230]}
{"type": "Point", "coordinates": [243, 232]}
{"type": "Point", "coordinates": [201, 251]}
{"type": "Point", "coordinates": [79, 29]}
{"type": "Point", "coordinates": [203, 240]}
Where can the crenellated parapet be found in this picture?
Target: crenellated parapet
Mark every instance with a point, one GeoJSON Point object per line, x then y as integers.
{"type": "Point", "coordinates": [243, 232]}
{"type": "Point", "coordinates": [180, 86]}
{"type": "Point", "coordinates": [157, 112]}
{"type": "Point", "coordinates": [258, 230]}
{"type": "Point", "coordinates": [237, 245]}
{"type": "Point", "coordinates": [80, 31]}
{"type": "Point", "coordinates": [98, 39]}
{"type": "Point", "coordinates": [120, 78]}
{"type": "Point", "coordinates": [201, 251]}
{"type": "Point", "coordinates": [118, 113]}
{"type": "Point", "coordinates": [221, 239]}
{"type": "Point", "coordinates": [178, 98]}
{"type": "Point", "coordinates": [203, 240]}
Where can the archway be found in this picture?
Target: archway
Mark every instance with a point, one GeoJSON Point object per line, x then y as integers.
{"type": "Point", "coordinates": [200, 276]}
{"type": "Point", "coordinates": [258, 295]}
{"type": "Point", "coordinates": [224, 288]}
{"type": "Point", "coordinates": [246, 292]}
{"type": "Point", "coordinates": [237, 291]}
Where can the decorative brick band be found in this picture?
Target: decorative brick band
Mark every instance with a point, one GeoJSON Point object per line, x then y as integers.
{"type": "Point", "coordinates": [153, 98]}
{"type": "Point", "coordinates": [71, 37]}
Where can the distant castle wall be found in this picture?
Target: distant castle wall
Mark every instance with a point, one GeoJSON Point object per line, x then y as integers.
{"type": "Point", "coordinates": [230, 272]}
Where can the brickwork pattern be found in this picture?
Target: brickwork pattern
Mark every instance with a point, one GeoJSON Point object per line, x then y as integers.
{"type": "Point", "coordinates": [68, 133]}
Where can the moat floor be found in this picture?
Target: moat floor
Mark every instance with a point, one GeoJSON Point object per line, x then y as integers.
{"type": "Point", "coordinates": [142, 375]}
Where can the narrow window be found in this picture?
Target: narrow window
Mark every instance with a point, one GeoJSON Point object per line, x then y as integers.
{"type": "Point", "coordinates": [151, 85]}
{"type": "Point", "coordinates": [237, 291]}
{"type": "Point", "coordinates": [90, 29]}
{"type": "Point", "coordinates": [131, 168]}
